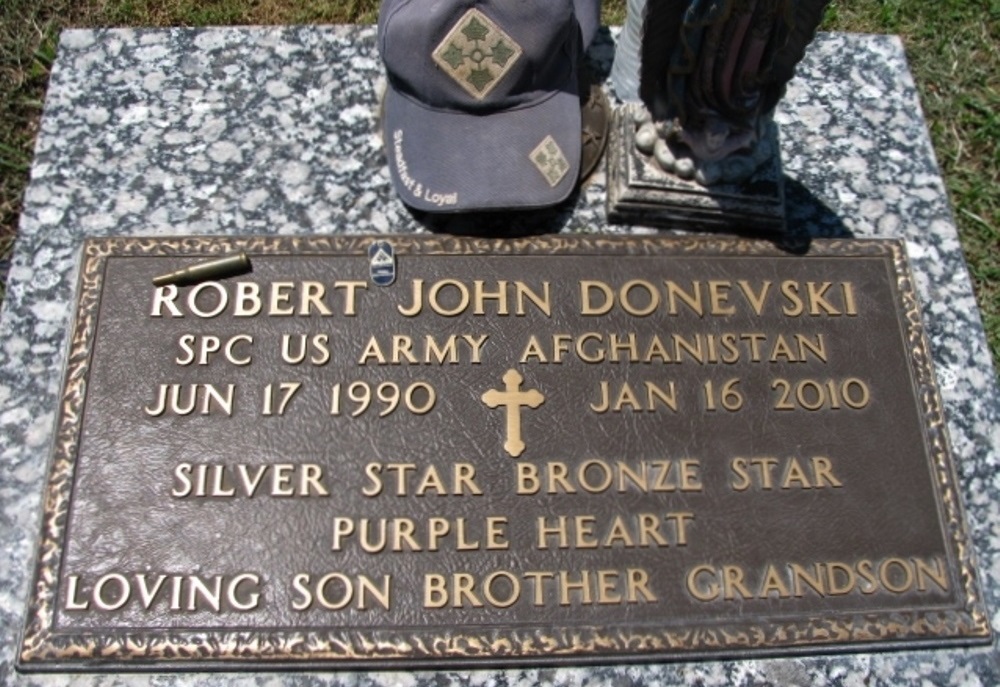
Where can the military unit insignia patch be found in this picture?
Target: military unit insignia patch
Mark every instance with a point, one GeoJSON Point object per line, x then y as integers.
{"type": "Point", "coordinates": [550, 161]}
{"type": "Point", "coordinates": [477, 53]}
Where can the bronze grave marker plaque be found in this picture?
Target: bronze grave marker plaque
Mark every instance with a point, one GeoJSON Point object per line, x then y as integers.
{"type": "Point", "coordinates": [553, 449]}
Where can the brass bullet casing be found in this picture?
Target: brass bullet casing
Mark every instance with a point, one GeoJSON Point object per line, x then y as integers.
{"type": "Point", "coordinates": [220, 268]}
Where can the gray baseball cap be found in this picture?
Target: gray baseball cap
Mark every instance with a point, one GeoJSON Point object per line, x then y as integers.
{"type": "Point", "coordinates": [482, 109]}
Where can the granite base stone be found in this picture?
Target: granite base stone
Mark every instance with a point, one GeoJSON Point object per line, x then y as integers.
{"type": "Point", "coordinates": [274, 131]}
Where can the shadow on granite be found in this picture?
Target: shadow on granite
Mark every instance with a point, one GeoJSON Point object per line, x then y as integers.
{"type": "Point", "coordinates": [807, 217]}
{"type": "Point", "coordinates": [500, 224]}
{"type": "Point", "coordinates": [806, 214]}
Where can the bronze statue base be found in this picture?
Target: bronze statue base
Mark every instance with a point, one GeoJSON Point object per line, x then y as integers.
{"type": "Point", "coordinates": [640, 192]}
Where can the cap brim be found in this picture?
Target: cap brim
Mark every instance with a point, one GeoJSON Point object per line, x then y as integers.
{"type": "Point", "coordinates": [444, 161]}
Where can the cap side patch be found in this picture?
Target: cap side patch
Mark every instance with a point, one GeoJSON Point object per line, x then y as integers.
{"type": "Point", "coordinates": [549, 159]}
{"type": "Point", "coordinates": [476, 53]}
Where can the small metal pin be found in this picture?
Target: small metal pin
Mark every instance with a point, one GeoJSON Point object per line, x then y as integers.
{"type": "Point", "coordinates": [220, 268]}
{"type": "Point", "coordinates": [382, 263]}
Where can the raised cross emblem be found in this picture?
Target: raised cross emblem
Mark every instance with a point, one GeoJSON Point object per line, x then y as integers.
{"type": "Point", "coordinates": [514, 399]}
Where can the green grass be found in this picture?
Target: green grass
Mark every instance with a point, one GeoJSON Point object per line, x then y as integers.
{"type": "Point", "coordinates": [953, 47]}
{"type": "Point", "coordinates": [28, 34]}
{"type": "Point", "coordinates": [228, 12]}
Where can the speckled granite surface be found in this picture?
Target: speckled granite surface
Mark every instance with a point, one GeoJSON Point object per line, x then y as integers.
{"type": "Point", "coordinates": [256, 130]}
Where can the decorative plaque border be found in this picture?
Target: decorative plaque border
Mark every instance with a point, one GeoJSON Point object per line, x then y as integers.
{"type": "Point", "coordinates": [46, 649]}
